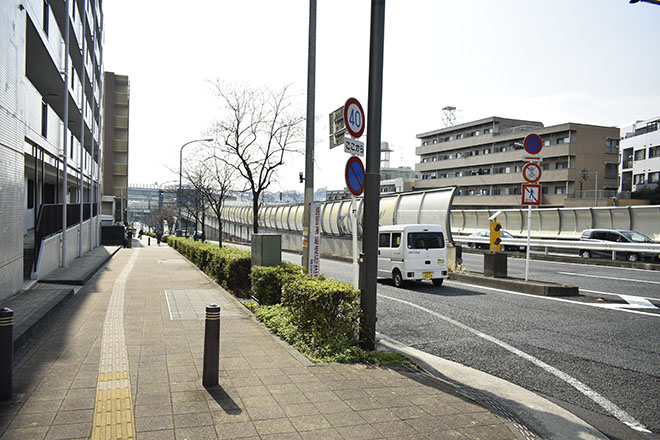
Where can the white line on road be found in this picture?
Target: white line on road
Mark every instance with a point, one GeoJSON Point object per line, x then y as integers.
{"type": "Point", "coordinates": [607, 405]}
{"type": "Point", "coordinates": [608, 278]}
{"type": "Point", "coordinates": [550, 298]}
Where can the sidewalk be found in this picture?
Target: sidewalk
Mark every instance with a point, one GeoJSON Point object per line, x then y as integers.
{"type": "Point", "coordinates": [125, 359]}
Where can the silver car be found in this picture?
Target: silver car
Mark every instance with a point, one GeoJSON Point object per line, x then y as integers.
{"type": "Point", "coordinates": [619, 236]}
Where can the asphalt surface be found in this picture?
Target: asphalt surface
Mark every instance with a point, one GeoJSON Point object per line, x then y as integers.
{"type": "Point", "coordinates": [599, 360]}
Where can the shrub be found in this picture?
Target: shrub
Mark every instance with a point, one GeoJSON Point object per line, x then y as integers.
{"type": "Point", "coordinates": [326, 312]}
{"type": "Point", "coordinates": [267, 281]}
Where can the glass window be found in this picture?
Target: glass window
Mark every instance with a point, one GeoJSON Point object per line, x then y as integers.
{"type": "Point", "coordinates": [638, 179]}
{"type": "Point", "coordinates": [636, 237]}
{"type": "Point", "coordinates": [561, 165]}
{"type": "Point", "coordinates": [640, 154]}
{"type": "Point", "coordinates": [426, 240]}
{"type": "Point", "coordinates": [654, 152]}
{"type": "Point", "coordinates": [654, 177]}
{"type": "Point", "coordinates": [384, 240]}
{"type": "Point", "coordinates": [560, 190]}
{"type": "Point", "coordinates": [396, 239]}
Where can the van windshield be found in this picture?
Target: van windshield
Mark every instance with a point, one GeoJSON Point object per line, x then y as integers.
{"type": "Point", "coordinates": [426, 240]}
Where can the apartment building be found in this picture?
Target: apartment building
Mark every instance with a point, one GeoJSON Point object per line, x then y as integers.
{"type": "Point", "coordinates": [50, 119]}
{"type": "Point", "coordinates": [484, 160]}
{"type": "Point", "coordinates": [640, 155]}
{"type": "Point", "coordinates": [115, 140]}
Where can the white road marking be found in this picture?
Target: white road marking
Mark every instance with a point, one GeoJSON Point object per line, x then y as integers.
{"type": "Point", "coordinates": [607, 405]}
{"type": "Point", "coordinates": [608, 278]}
{"type": "Point", "coordinates": [638, 302]}
{"type": "Point", "coordinates": [551, 298]}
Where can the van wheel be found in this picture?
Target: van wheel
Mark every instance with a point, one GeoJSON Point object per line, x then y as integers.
{"type": "Point", "coordinates": [585, 254]}
{"type": "Point", "coordinates": [632, 257]}
{"type": "Point", "coordinates": [437, 281]}
{"type": "Point", "coordinates": [398, 279]}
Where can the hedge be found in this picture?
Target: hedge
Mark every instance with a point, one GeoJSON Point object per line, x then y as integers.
{"type": "Point", "coordinates": [267, 281]}
{"type": "Point", "coordinates": [229, 266]}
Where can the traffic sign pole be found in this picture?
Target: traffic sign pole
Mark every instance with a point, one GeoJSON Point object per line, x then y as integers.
{"type": "Point", "coordinates": [356, 266]}
{"type": "Point", "coordinates": [529, 232]}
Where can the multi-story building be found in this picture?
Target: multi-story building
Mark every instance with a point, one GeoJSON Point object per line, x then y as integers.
{"type": "Point", "coordinates": [50, 118]}
{"type": "Point", "coordinates": [640, 155]}
{"type": "Point", "coordinates": [115, 140]}
{"type": "Point", "coordinates": [484, 160]}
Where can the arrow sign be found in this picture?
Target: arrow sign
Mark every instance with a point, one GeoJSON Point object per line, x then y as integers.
{"type": "Point", "coordinates": [355, 175]}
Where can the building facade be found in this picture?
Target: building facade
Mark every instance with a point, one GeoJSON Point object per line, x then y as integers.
{"type": "Point", "coordinates": [484, 160]}
{"type": "Point", "coordinates": [50, 119]}
{"type": "Point", "coordinates": [640, 155]}
{"type": "Point", "coordinates": [115, 140]}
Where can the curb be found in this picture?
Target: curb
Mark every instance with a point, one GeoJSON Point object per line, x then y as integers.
{"type": "Point", "coordinates": [516, 285]}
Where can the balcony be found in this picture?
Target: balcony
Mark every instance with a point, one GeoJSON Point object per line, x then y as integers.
{"type": "Point", "coordinates": [121, 98]}
{"type": "Point", "coordinates": [121, 145]}
{"type": "Point", "coordinates": [121, 122]}
{"type": "Point", "coordinates": [120, 169]}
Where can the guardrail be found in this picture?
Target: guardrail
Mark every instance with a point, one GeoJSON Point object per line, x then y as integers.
{"type": "Point", "coordinates": [637, 248]}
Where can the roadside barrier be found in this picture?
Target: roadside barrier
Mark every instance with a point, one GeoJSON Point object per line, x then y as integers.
{"type": "Point", "coordinates": [211, 346]}
{"type": "Point", "coordinates": [6, 352]}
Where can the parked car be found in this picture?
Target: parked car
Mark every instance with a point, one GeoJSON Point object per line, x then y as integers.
{"type": "Point", "coordinates": [503, 235]}
{"type": "Point", "coordinates": [619, 236]}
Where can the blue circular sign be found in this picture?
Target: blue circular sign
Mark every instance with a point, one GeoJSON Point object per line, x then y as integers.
{"type": "Point", "coordinates": [533, 144]}
{"type": "Point", "coordinates": [355, 175]}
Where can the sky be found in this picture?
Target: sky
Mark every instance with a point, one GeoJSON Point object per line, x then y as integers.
{"type": "Point", "coordinates": [582, 61]}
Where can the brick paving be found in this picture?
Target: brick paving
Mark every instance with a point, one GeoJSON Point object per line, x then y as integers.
{"type": "Point", "coordinates": [267, 390]}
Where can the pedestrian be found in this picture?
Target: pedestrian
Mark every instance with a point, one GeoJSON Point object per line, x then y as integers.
{"type": "Point", "coordinates": [159, 235]}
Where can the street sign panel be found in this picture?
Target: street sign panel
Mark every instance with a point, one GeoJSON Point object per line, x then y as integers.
{"type": "Point", "coordinates": [355, 175]}
{"type": "Point", "coordinates": [532, 172]}
{"type": "Point", "coordinates": [531, 194]}
{"type": "Point", "coordinates": [354, 147]}
{"type": "Point", "coordinates": [533, 144]}
{"type": "Point", "coordinates": [354, 118]}
{"type": "Point", "coordinates": [337, 128]}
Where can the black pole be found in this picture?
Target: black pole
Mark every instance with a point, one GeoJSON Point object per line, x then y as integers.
{"type": "Point", "coordinates": [372, 177]}
{"type": "Point", "coordinates": [211, 346]}
{"type": "Point", "coordinates": [6, 352]}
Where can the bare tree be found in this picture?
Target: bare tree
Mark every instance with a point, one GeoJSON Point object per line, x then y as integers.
{"type": "Point", "coordinates": [213, 179]}
{"type": "Point", "coordinates": [192, 198]}
{"type": "Point", "coordinates": [258, 129]}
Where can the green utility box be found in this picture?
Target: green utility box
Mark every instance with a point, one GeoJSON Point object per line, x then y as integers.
{"type": "Point", "coordinates": [266, 249]}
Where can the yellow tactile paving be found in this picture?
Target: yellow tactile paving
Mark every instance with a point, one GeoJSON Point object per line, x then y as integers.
{"type": "Point", "coordinates": [113, 410]}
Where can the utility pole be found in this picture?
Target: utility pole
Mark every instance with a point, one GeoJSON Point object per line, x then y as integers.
{"type": "Point", "coordinates": [309, 134]}
{"type": "Point", "coordinates": [372, 177]}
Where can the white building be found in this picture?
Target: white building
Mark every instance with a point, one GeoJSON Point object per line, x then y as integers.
{"type": "Point", "coordinates": [50, 119]}
{"type": "Point", "coordinates": [639, 167]}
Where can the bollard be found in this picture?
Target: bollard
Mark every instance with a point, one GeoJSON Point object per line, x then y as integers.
{"type": "Point", "coordinates": [211, 346]}
{"type": "Point", "coordinates": [149, 241]}
{"type": "Point", "coordinates": [6, 352]}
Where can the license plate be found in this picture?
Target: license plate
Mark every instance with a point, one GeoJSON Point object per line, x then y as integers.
{"type": "Point", "coordinates": [427, 275]}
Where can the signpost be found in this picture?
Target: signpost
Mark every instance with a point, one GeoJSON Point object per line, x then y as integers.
{"type": "Point", "coordinates": [354, 120]}
{"type": "Point", "coordinates": [531, 191]}
{"type": "Point", "coordinates": [314, 262]}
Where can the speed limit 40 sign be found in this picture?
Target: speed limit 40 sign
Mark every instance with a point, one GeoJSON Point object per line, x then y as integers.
{"type": "Point", "coordinates": [354, 117]}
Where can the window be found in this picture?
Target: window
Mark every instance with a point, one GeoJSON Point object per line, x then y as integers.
{"type": "Point", "coordinates": [474, 153]}
{"type": "Point", "coordinates": [564, 140]}
{"type": "Point", "coordinates": [30, 194]}
{"type": "Point", "coordinates": [475, 133]}
{"type": "Point", "coordinates": [560, 190]}
{"type": "Point", "coordinates": [486, 150]}
{"type": "Point", "coordinates": [396, 239]}
{"type": "Point", "coordinates": [516, 191]}
{"type": "Point", "coordinates": [638, 179]}
{"type": "Point", "coordinates": [425, 143]}
{"type": "Point", "coordinates": [426, 240]}
{"type": "Point", "coordinates": [611, 170]}
{"type": "Point", "coordinates": [484, 192]}
{"type": "Point", "coordinates": [544, 190]}
{"type": "Point", "coordinates": [654, 177]}
{"type": "Point", "coordinates": [546, 143]}
{"type": "Point", "coordinates": [611, 146]}
{"type": "Point", "coordinates": [640, 154]}
{"type": "Point", "coordinates": [459, 136]}
{"type": "Point", "coordinates": [518, 168]}
{"type": "Point", "coordinates": [435, 141]}
{"type": "Point", "coordinates": [46, 18]}
{"type": "Point", "coordinates": [434, 159]}
{"type": "Point", "coordinates": [654, 152]}
{"type": "Point", "coordinates": [488, 131]}
{"type": "Point", "coordinates": [44, 119]}
{"type": "Point", "coordinates": [545, 166]}
{"type": "Point", "coordinates": [561, 165]}
{"type": "Point", "coordinates": [384, 240]}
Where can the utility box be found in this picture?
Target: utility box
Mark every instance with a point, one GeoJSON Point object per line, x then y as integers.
{"type": "Point", "coordinates": [495, 265]}
{"type": "Point", "coordinates": [266, 249]}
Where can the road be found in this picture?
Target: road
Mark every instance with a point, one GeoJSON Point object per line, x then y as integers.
{"type": "Point", "coordinates": [600, 361]}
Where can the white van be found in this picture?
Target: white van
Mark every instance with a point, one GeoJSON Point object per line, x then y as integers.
{"type": "Point", "coordinates": [412, 252]}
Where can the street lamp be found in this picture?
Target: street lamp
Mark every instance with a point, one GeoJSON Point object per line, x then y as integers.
{"type": "Point", "coordinates": [178, 194]}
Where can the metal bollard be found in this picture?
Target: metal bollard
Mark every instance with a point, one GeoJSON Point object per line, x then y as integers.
{"type": "Point", "coordinates": [6, 352]}
{"type": "Point", "coordinates": [149, 241]}
{"type": "Point", "coordinates": [211, 346]}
